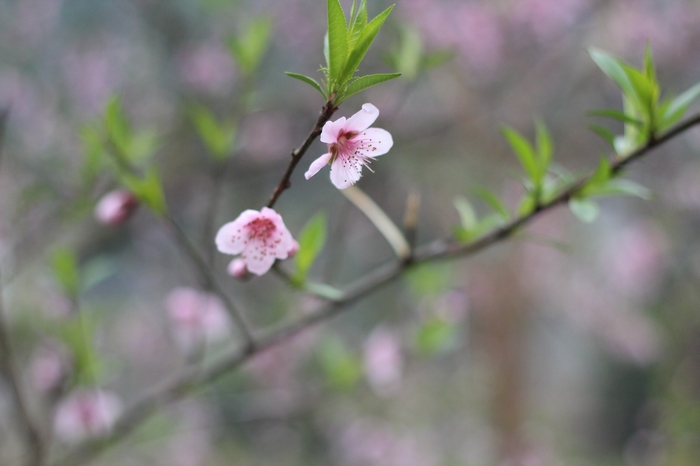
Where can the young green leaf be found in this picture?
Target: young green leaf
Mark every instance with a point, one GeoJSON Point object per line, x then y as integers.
{"type": "Point", "coordinates": [467, 214]}
{"type": "Point", "coordinates": [365, 82]}
{"type": "Point", "coordinates": [250, 47]}
{"type": "Point", "coordinates": [342, 368]}
{"type": "Point", "coordinates": [545, 147]}
{"type": "Point", "coordinates": [408, 57]}
{"type": "Point", "coordinates": [525, 153]}
{"type": "Point", "coordinates": [218, 138]}
{"type": "Point", "coordinates": [616, 115]}
{"type": "Point", "coordinates": [337, 40]}
{"type": "Point", "coordinates": [604, 133]}
{"type": "Point", "coordinates": [357, 53]}
{"type": "Point", "coordinates": [148, 189]}
{"type": "Point", "coordinates": [310, 81]}
{"type": "Point", "coordinates": [311, 241]}
{"type": "Point", "coordinates": [65, 269]}
{"type": "Point", "coordinates": [494, 202]}
{"type": "Point", "coordinates": [358, 21]}
{"type": "Point", "coordinates": [584, 209]}
{"type": "Point", "coordinates": [677, 107]}
{"type": "Point", "coordinates": [613, 68]}
{"type": "Point", "coordinates": [435, 336]}
{"type": "Point", "coordinates": [619, 187]}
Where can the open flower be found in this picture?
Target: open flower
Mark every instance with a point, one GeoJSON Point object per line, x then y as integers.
{"type": "Point", "coordinates": [86, 414]}
{"type": "Point", "coordinates": [352, 144]}
{"type": "Point", "coordinates": [260, 238]}
{"type": "Point", "coordinates": [197, 318]}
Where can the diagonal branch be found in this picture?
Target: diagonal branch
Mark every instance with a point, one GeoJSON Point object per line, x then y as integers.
{"type": "Point", "coordinates": [191, 379]}
{"type": "Point", "coordinates": [326, 112]}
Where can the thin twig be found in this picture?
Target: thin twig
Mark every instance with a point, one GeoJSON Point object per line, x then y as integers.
{"type": "Point", "coordinates": [326, 112]}
{"type": "Point", "coordinates": [191, 379]}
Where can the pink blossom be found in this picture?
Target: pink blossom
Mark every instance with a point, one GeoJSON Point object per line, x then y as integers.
{"type": "Point", "coordinates": [85, 414]}
{"type": "Point", "coordinates": [207, 68]}
{"type": "Point", "coordinates": [49, 368]}
{"type": "Point", "coordinates": [352, 144]}
{"type": "Point", "coordinates": [260, 238]}
{"type": "Point", "coordinates": [383, 361]}
{"type": "Point", "coordinates": [116, 207]}
{"type": "Point", "coordinates": [197, 318]}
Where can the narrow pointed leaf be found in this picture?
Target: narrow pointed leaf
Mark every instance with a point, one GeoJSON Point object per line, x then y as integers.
{"type": "Point", "coordinates": [678, 106]}
{"type": "Point", "coordinates": [467, 214]}
{"type": "Point", "coordinates": [613, 68]}
{"type": "Point", "coordinates": [545, 148]}
{"type": "Point", "coordinates": [616, 115]}
{"type": "Point", "coordinates": [369, 32]}
{"type": "Point", "coordinates": [524, 152]}
{"type": "Point", "coordinates": [604, 133]}
{"type": "Point", "coordinates": [310, 81]}
{"type": "Point", "coordinates": [337, 39]}
{"type": "Point", "coordinates": [311, 241]}
{"type": "Point", "coordinates": [365, 82]}
{"type": "Point", "coordinates": [494, 202]}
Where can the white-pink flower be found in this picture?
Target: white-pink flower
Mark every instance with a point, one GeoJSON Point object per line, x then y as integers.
{"type": "Point", "coordinates": [260, 238]}
{"type": "Point", "coordinates": [352, 144]}
{"type": "Point", "coordinates": [197, 318]}
{"type": "Point", "coordinates": [85, 414]}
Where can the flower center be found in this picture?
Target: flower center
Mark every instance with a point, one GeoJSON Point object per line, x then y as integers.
{"type": "Point", "coordinates": [260, 228]}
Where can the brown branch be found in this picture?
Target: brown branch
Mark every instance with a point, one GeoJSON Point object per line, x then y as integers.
{"type": "Point", "coordinates": [191, 379]}
{"type": "Point", "coordinates": [326, 112]}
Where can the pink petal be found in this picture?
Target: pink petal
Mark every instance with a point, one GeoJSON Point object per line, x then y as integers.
{"type": "Point", "coordinates": [230, 239]}
{"type": "Point", "coordinates": [376, 142]}
{"type": "Point", "coordinates": [317, 164]}
{"type": "Point", "coordinates": [259, 265]}
{"type": "Point", "coordinates": [344, 175]}
{"type": "Point", "coordinates": [332, 129]}
{"type": "Point", "coordinates": [362, 119]}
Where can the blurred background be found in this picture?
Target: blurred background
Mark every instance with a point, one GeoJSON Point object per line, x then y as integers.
{"type": "Point", "coordinates": [574, 344]}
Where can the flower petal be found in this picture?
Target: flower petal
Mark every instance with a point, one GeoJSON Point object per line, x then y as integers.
{"type": "Point", "coordinates": [374, 142]}
{"type": "Point", "coordinates": [258, 257]}
{"type": "Point", "coordinates": [345, 172]}
{"type": "Point", "coordinates": [332, 129]}
{"type": "Point", "coordinates": [362, 119]}
{"type": "Point", "coordinates": [317, 164]}
{"type": "Point", "coordinates": [231, 237]}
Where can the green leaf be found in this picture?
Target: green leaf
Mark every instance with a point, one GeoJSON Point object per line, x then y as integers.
{"type": "Point", "coordinates": [311, 241]}
{"type": "Point", "coordinates": [616, 115]}
{"type": "Point", "coordinates": [604, 133]}
{"type": "Point", "coordinates": [365, 82]}
{"type": "Point", "coordinates": [430, 280]}
{"type": "Point", "coordinates": [620, 187]}
{"type": "Point", "coordinates": [65, 269]}
{"type": "Point", "coordinates": [407, 58]}
{"type": "Point", "coordinates": [219, 139]}
{"type": "Point", "coordinates": [93, 152]}
{"type": "Point", "coordinates": [612, 67]}
{"type": "Point", "coordinates": [337, 41]}
{"type": "Point", "coordinates": [250, 47]}
{"type": "Point", "coordinates": [649, 70]}
{"type": "Point", "coordinates": [310, 81]}
{"type": "Point", "coordinates": [602, 172]}
{"type": "Point", "coordinates": [436, 335]}
{"type": "Point", "coordinates": [141, 146]}
{"type": "Point", "coordinates": [357, 53]}
{"type": "Point", "coordinates": [494, 202]}
{"type": "Point", "coordinates": [545, 147]}
{"type": "Point", "coordinates": [525, 153]}
{"type": "Point", "coordinates": [467, 215]}
{"type": "Point", "coordinates": [584, 209]}
{"type": "Point", "coordinates": [341, 368]}
{"type": "Point", "coordinates": [358, 21]}
{"type": "Point", "coordinates": [147, 189]}
{"type": "Point", "coordinates": [678, 106]}
{"type": "Point", "coordinates": [116, 124]}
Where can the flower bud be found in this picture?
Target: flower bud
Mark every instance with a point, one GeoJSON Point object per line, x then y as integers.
{"type": "Point", "coordinates": [237, 268]}
{"type": "Point", "coordinates": [86, 414]}
{"type": "Point", "coordinates": [116, 207]}
{"type": "Point", "coordinates": [293, 249]}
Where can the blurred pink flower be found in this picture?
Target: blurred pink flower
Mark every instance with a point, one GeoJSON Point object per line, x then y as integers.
{"type": "Point", "coordinates": [383, 361]}
{"type": "Point", "coordinates": [352, 144]}
{"type": "Point", "coordinates": [116, 207]}
{"type": "Point", "coordinates": [261, 237]}
{"type": "Point", "coordinates": [85, 414]}
{"type": "Point", "coordinates": [207, 68]}
{"type": "Point", "coordinates": [197, 318]}
{"type": "Point", "coordinates": [49, 368]}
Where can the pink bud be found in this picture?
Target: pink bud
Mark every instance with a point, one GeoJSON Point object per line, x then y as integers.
{"type": "Point", "coordinates": [294, 249]}
{"type": "Point", "coordinates": [116, 207]}
{"type": "Point", "coordinates": [237, 268]}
